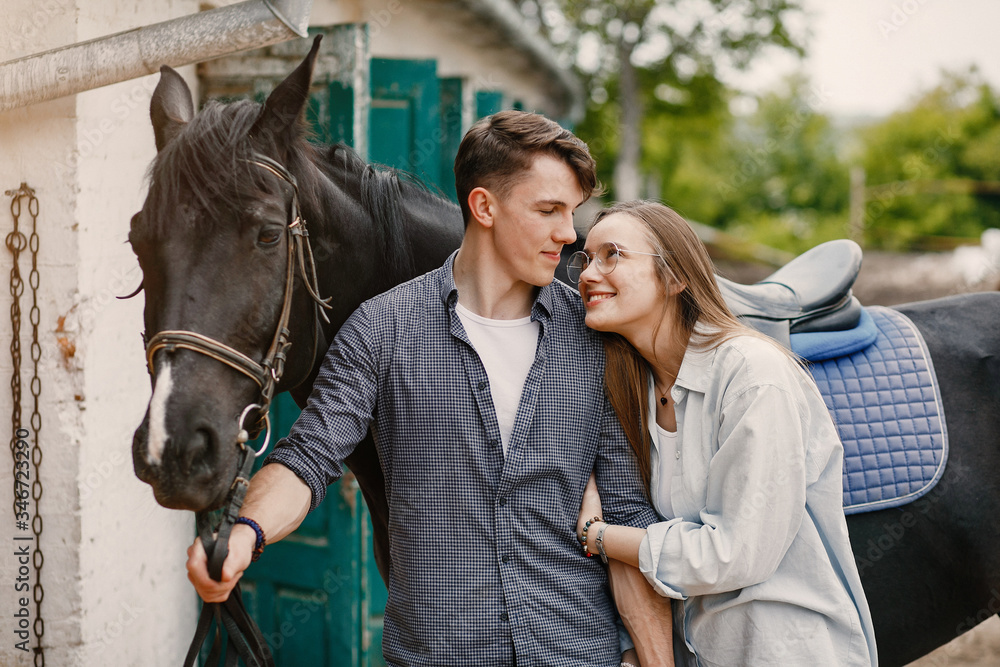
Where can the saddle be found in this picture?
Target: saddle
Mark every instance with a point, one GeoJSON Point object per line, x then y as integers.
{"type": "Point", "coordinates": [812, 293]}
{"type": "Point", "coordinates": [871, 366]}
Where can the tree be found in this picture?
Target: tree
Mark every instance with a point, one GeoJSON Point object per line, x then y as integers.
{"type": "Point", "coordinates": [658, 53]}
{"type": "Point", "coordinates": [929, 168]}
{"type": "Point", "coordinates": [773, 176]}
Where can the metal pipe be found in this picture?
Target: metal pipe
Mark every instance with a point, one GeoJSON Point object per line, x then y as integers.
{"type": "Point", "coordinates": [134, 53]}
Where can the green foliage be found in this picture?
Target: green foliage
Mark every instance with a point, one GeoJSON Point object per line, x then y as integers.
{"type": "Point", "coordinates": [660, 56]}
{"type": "Point", "coordinates": [781, 175]}
{"type": "Point", "coordinates": [773, 176]}
{"type": "Point", "coordinates": [952, 132]}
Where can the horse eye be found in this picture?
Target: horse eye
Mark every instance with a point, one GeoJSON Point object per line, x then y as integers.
{"type": "Point", "coordinates": [269, 236]}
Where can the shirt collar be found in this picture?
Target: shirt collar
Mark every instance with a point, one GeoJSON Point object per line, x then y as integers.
{"type": "Point", "coordinates": [541, 309]}
{"type": "Point", "coordinates": [449, 292]}
{"type": "Point", "coordinates": [696, 366]}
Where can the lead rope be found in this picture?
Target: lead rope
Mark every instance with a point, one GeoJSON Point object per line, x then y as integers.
{"type": "Point", "coordinates": [16, 243]}
{"type": "Point", "coordinates": [244, 639]}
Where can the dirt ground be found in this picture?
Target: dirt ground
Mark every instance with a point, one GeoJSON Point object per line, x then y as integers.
{"type": "Point", "coordinates": [980, 647]}
{"type": "Point", "coordinates": [890, 279]}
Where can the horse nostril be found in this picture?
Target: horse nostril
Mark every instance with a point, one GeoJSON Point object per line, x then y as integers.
{"type": "Point", "coordinates": [199, 452]}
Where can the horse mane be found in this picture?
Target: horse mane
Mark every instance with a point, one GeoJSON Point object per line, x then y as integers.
{"type": "Point", "coordinates": [204, 162]}
{"type": "Point", "coordinates": [382, 192]}
{"type": "Point", "coordinates": [207, 164]}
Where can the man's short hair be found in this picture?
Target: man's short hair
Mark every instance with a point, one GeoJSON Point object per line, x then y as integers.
{"type": "Point", "coordinates": [498, 150]}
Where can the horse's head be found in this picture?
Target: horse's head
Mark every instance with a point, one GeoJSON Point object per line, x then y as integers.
{"type": "Point", "coordinates": [213, 243]}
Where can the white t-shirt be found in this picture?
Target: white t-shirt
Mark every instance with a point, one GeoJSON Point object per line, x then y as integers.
{"type": "Point", "coordinates": [662, 459]}
{"type": "Point", "coordinates": [507, 350]}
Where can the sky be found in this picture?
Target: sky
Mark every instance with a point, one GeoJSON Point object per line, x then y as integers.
{"type": "Point", "coordinates": [870, 57]}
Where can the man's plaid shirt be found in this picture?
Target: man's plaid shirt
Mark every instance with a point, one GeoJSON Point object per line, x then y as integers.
{"type": "Point", "coordinates": [486, 568]}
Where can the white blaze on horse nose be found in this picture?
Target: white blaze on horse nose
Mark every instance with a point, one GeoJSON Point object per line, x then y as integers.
{"type": "Point", "coordinates": [158, 415]}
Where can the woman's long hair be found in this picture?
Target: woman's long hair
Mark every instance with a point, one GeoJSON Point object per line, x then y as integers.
{"type": "Point", "coordinates": [685, 261]}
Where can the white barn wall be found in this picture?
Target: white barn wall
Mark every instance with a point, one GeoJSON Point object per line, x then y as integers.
{"type": "Point", "coordinates": [140, 608]}
{"type": "Point", "coordinates": [414, 29]}
{"type": "Point", "coordinates": [31, 140]}
{"type": "Point", "coordinates": [115, 587]}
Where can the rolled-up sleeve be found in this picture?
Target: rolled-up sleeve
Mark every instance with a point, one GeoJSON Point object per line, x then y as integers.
{"type": "Point", "coordinates": [339, 411]}
{"type": "Point", "coordinates": [754, 505]}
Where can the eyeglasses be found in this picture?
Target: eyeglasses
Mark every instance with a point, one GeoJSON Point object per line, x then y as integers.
{"type": "Point", "coordinates": [606, 257]}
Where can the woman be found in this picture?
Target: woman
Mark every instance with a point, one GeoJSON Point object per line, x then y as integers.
{"type": "Point", "coordinates": [739, 453]}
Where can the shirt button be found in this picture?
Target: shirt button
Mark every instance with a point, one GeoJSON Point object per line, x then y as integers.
{"type": "Point", "coordinates": [506, 558]}
{"type": "Point", "coordinates": [494, 443]}
{"type": "Point", "coordinates": [482, 385]}
{"type": "Point", "coordinates": [677, 454]}
{"type": "Point", "coordinates": [503, 616]}
{"type": "Point", "coordinates": [503, 501]}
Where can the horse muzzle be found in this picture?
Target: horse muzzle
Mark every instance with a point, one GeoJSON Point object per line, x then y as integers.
{"type": "Point", "coordinates": [187, 468]}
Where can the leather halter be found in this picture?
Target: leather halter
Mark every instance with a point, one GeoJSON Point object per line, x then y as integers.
{"type": "Point", "coordinates": [244, 637]}
{"type": "Point", "coordinates": [266, 373]}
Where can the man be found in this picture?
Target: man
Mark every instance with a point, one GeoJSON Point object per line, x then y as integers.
{"type": "Point", "coordinates": [485, 392]}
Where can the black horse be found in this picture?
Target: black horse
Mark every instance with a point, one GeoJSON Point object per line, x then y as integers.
{"type": "Point", "coordinates": [211, 244]}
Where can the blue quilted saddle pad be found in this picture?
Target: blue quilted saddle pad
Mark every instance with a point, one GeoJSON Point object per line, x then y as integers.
{"type": "Point", "coordinates": [886, 404]}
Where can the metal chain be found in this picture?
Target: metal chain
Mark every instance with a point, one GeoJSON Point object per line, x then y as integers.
{"type": "Point", "coordinates": [16, 243]}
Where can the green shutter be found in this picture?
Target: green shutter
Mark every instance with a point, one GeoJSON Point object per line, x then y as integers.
{"type": "Point", "coordinates": [488, 102]}
{"type": "Point", "coordinates": [451, 132]}
{"type": "Point", "coordinates": [404, 121]}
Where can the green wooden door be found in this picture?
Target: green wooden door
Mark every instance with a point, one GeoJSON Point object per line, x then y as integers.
{"type": "Point", "coordinates": [451, 133]}
{"type": "Point", "coordinates": [317, 595]}
{"type": "Point", "coordinates": [404, 126]}
{"type": "Point", "coordinates": [305, 592]}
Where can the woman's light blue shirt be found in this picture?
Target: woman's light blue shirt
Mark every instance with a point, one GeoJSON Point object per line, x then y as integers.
{"type": "Point", "coordinates": [758, 550]}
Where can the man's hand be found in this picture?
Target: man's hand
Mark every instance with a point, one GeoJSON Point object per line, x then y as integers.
{"type": "Point", "coordinates": [591, 505]}
{"type": "Point", "coordinates": [241, 542]}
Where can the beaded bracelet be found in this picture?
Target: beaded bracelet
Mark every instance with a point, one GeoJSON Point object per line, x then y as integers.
{"type": "Point", "coordinates": [258, 547]}
{"type": "Point", "coordinates": [583, 538]}
{"type": "Point", "coordinates": [627, 664]}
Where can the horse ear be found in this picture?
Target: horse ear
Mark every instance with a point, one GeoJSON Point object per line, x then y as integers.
{"type": "Point", "coordinates": [171, 106]}
{"type": "Point", "coordinates": [284, 105]}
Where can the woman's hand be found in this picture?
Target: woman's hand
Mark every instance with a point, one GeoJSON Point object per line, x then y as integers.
{"type": "Point", "coordinates": [630, 657]}
{"type": "Point", "coordinates": [590, 507]}
{"type": "Point", "coordinates": [646, 615]}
